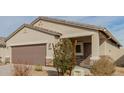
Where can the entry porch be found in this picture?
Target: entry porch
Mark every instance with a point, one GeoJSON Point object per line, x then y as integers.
{"type": "Point", "coordinates": [86, 49]}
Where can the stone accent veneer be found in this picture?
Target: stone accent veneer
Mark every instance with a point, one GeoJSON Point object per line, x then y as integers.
{"type": "Point", "coordinates": [49, 62]}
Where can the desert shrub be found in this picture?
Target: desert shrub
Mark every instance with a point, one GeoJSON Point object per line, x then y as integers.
{"type": "Point", "coordinates": [38, 68]}
{"type": "Point", "coordinates": [103, 67]}
{"type": "Point", "coordinates": [22, 70]}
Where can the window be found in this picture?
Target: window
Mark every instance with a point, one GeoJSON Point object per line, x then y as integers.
{"type": "Point", "coordinates": [79, 48]}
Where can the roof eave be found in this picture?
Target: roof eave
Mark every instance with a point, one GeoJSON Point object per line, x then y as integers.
{"type": "Point", "coordinates": [107, 32]}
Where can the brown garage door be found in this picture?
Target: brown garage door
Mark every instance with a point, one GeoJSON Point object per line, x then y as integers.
{"type": "Point", "coordinates": [29, 54]}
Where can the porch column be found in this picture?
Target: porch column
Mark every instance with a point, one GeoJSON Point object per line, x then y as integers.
{"type": "Point", "coordinates": [95, 47]}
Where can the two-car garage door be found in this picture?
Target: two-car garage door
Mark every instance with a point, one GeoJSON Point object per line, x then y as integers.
{"type": "Point", "coordinates": [29, 54]}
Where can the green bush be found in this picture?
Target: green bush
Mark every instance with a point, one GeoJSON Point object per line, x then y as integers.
{"type": "Point", "coordinates": [38, 68]}
{"type": "Point", "coordinates": [103, 67]}
{"type": "Point", "coordinates": [63, 56]}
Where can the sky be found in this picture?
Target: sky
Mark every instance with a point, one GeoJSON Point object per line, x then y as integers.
{"type": "Point", "coordinates": [115, 24]}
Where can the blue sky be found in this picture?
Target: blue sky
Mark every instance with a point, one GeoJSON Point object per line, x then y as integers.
{"type": "Point", "coordinates": [115, 24]}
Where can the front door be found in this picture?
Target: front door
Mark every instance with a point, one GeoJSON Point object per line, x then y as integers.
{"type": "Point", "coordinates": [87, 50]}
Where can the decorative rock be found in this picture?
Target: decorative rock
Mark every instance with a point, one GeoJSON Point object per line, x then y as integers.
{"type": "Point", "coordinates": [78, 71]}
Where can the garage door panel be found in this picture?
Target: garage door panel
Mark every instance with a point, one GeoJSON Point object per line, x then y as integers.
{"type": "Point", "coordinates": [33, 54]}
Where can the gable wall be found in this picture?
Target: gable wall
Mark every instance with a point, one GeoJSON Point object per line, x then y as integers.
{"type": "Point", "coordinates": [29, 36]}
{"type": "Point", "coordinates": [67, 31]}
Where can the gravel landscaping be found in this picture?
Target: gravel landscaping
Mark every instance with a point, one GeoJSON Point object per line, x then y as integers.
{"type": "Point", "coordinates": [7, 70]}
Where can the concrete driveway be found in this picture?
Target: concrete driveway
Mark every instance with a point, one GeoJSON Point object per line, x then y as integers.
{"type": "Point", "coordinates": [6, 70]}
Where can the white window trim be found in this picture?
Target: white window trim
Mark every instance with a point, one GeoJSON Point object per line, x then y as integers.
{"type": "Point", "coordinates": [82, 52]}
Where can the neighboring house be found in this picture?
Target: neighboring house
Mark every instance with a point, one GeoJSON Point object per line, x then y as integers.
{"type": "Point", "coordinates": [2, 48]}
{"type": "Point", "coordinates": [32, 43]}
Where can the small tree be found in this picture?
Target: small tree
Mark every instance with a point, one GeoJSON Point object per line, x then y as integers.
{"type": "Point", "coordinates": [63, 53]}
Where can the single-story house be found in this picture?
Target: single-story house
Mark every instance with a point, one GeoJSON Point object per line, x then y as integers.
{"type": "Point", "coordinates": [32, 43]}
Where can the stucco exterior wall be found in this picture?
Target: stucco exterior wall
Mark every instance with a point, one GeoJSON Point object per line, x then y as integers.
{"type": "Point", "coordinates": [67, 31]}
{"type": "Point", "coordinates": [102, 47]}
{"type": "Point", "coordinates": [102, 38]}
{"type": "Point", "coordinates": [122, 50]}
{"type": "Point", "coordinates": [4, 53]}
{"type": "Point", "coordinates": [112, 50]}
{"type": "Point", "coordinates": [28, 36]}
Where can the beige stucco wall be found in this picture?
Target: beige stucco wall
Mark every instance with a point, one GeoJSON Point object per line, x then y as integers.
{"type": "Point", "coordinates": [67, 31]}
{"type": "Point", "coordinates": [1, 52]}
{"type": "Point", "coordinates": [28, 36]}
{"type": "Point", "coordinates": [4, 53]}
{"type": "Point", "coordinates": [102, 47]}
{"type": "Point", "coordinates": [103, 39]}
{"type": "Point", "coordinates": [109, 48]}
{"type": "Point", "coordinates": [122, 49]}
{"type": "Point", "coordinates": [112, 50]}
